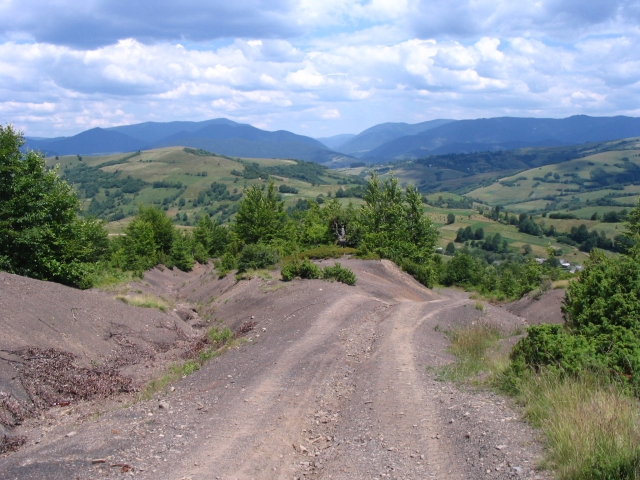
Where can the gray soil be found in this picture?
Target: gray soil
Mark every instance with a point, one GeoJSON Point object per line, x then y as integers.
{"type": "Point", "coordinates": [333, 382]}
{"type": "Point", "coordinates": [543, 309]}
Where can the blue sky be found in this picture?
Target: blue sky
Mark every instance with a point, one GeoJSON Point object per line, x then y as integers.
{"type": "Point", "coordinates": [314, 67]}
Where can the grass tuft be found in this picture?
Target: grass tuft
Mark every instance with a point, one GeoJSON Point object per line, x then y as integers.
{"type": "Point", "coordinates": [219, 341]}
{"type": "Point", "coordinates": [145, 301]}
{"type": "Point", "coordinates": [592, 427]}
{"type": "Point", "coordinates": [474, 346]}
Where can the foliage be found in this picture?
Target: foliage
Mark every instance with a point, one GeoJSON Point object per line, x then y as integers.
{"type": "Point", "coordinates": [41, 235]}
{"type": "Point", "coordinates": [339, 273]}
{"type": "Point", "coordinates": [211, 236]}
{"type": "Point", "coordinates": [303, 269]}
{"type": "Point", "coordinates": [324, 252]}
{"type": "Point", "coordinates": [256, 256]}
{"type": "Point", "coordinates": [261, 217]}
{"type": "Point", "coordinates": [392, 222]}
{"type": "Point", "coordinates": [507, 280]}
{"type": "Point", "coordinates": [307, 270]}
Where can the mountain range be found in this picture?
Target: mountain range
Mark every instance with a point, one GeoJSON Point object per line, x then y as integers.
{"type": "Point", "coordinates": [378, 144]}
{"type": "Point", "coordinates": [219, 135]}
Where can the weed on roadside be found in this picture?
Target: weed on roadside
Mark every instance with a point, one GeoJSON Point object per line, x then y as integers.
{"type": "Point", "coordinates": [217, 341]}
{"type": "Point", "coordinates": [592, 427]}
{"type": "Point", "coordinates": [145, 301]}
{"type": "Point", "coordinates": [475, 347]}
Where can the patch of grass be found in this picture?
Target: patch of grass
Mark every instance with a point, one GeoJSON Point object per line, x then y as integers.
{"type": "Point", "coordinates": [219, 340]}
{"type": "Point", "coordinates": [110, 279]}
{"type": "Point", "coordinates": [592, 427]}
{"type": "Point", "coordinates": [249, 274]}
{"type": "Point", "coordinates": [145, 301]}
{"type": "Point", "coordinates": [560, 284]}
{"type": "Point", "coordinates": [475, 347]}
{"type": "Point", "coordinates": [479, 306]}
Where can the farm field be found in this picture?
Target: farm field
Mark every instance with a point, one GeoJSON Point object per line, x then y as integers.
{"type": "Point", "coordinates": [531, 190]}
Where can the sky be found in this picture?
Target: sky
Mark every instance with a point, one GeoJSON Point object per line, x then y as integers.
{"type": "Point", "coordinates": [314, 67]}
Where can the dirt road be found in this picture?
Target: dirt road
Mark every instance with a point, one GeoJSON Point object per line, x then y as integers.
{"type": "Point", "coordinates": [335, 382]}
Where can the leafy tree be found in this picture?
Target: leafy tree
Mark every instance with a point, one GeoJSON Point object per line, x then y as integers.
{"type": "Point", "coordinates": [451, 218]}
{"type": "Point", "coordinates": [163, 229]}
{"type": "Point", "coordinates": [139, 246]}
{"type": "Point", "coordinates": [211, 236]}
{"type": "Point", "coordinates": [261, 217]}
{"type": "Point", "coordinates": [451, 249]}
{"type": "Point", "coordinates": [393, 224]}
{"type": "Point", "coordinates": [41, 235]}
{"type": "Point", "coordinates": [182, 250]}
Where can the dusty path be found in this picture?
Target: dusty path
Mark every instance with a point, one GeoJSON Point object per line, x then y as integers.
{"type": "Point", "coordinates": [335, 383]}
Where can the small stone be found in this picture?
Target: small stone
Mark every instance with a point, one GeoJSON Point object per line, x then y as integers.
{"type": "Point", "coordinates": [172, 389]}
{"type": "Point", "coordinates": [163, 405]}
{"type": "Point", "coordinates": [98, 460]}
{"type": "Point", "coordinates": [452, 421]}
{"type": "Point", "coordinates": [501, 447]}
{"type": "Point", "coordinates": [518, 471]}
{"type": "Point", "coordinates": [71, 434]}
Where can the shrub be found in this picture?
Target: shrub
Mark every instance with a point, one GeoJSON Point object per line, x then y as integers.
{"type": "Point", "coordinates": [225, 264]}
{"type": "Point", "coordinates": [339, 273]}
{"type": "Point", "coordinates": [302, 269]}
{"type": "Point", "coordinates": [425, 273]}
{"type": "Point", "coordinates": [256, 256]}
{"type": "Point", "coordinates": [219, 336]}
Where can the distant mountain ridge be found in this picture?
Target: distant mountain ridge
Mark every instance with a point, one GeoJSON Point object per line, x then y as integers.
{"type": "Point", "coordinates": [382, 133]}
{"type": "Point", "coordinates": [505, 133]}
{"type": "Point", "coordinates": [218, 135]}
{"type": "Point", "coordinates": [378, 144]}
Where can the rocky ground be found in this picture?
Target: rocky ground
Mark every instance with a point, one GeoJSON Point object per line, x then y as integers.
{"type": "Point", "coordinates": [332, 382]}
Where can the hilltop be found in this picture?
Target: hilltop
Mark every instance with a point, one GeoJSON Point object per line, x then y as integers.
{"type": "Point", "coordinates": [219, 135]}
{"type": "Point", "coordinates": [189, 182]}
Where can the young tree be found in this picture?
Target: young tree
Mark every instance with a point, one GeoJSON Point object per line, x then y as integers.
{"type": "Point", "coordinates": [212, 237]}
{"type": "Point", "coordinates": [451, 218]}
{"type": "Point", "coordinates": [41, 235]}
{"type": "Point", "coordinates": [261, 217]}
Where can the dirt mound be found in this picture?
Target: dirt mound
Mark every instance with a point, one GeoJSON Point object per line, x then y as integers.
{"type": "Point", "coordinates": [59, 345]}
{"type": "Point", "coordinates": [536, 310]}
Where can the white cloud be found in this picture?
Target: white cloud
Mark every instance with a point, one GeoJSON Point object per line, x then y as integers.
{"type": "Point", "coordinates": [337, 65]}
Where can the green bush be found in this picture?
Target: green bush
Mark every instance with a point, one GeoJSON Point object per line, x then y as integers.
{"type": "Point", "coordinates": [426, 273]}
{"type": "Point", "coordinates": [225, 264]}
{"type": "Point", "coordinates": [256, 256]}
{"type": "Point", "coordinates": [339, 273]}
{"type": "Point", "coordinates": [602, 333]}
{"type": "Point", "coordinates": [219, 336]}
{"type": "Point", "coordinates": [302, 269]}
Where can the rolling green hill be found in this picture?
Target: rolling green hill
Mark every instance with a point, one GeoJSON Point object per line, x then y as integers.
{"type": "Point", "coordinates": [600, 182]}
{"type": "Point", "coordinates": [187, 182]}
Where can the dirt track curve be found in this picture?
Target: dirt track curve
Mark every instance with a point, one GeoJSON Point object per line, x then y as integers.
{"type": "Point", "coordinates": [336, 382]}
